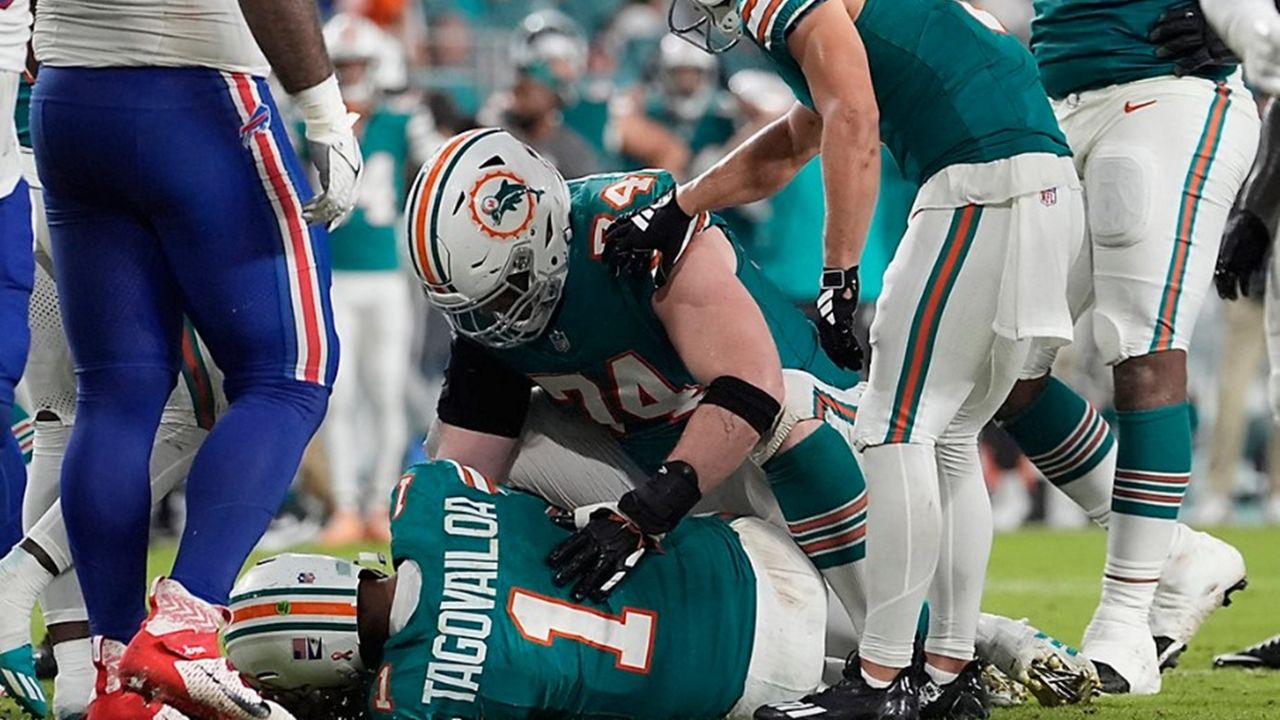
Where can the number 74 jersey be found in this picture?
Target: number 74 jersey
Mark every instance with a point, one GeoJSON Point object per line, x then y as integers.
{"type": "Point", "coordinates": [488, 635]}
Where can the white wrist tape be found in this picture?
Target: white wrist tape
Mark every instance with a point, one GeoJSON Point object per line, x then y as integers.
{"type": "Point", "coordinates": [322, 107]}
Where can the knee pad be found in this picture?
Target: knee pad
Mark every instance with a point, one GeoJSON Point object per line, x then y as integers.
{"type": "Point", "coordinates": [1116, 190]}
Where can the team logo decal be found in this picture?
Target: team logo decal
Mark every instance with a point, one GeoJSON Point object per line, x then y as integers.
{"type": "Point", "coordinates": [258, 122]}
{"type": "Point", "coordinates": [503, 205]}
{"type": "Point", "coordinates": [1049, 198]}
{"type": "Point", "coordinates": [284, 607]}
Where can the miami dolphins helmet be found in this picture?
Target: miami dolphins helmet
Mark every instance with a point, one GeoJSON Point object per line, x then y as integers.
{"type": "Point", "coordinates": [293, 624]}
{"type": "Point", "coordinates": [489, 236]}
{"type": "Point", "coordinates": [716, 29]}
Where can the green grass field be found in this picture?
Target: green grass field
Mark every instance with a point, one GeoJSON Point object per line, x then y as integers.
{"type": "Point", "coordinates": [1052, 578]}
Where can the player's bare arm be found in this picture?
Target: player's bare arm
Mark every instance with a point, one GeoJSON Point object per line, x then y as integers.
{"type": "Point", "coordinates": [719, 332]}
{"type": "Point", "coordinates": [493, 455]}
{"type": "Point", "coordinates": [288, 32]}
{"type": "Point", "coordinates": [1255, 217]}
{"type": "Point", "coordinates": [651, 143]}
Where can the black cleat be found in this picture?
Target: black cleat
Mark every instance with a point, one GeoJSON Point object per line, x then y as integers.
{"type": "Point", "coordinates": [1264, 656]}
{"type": "Point", "coordinates": [853, 699]}
{"type": "Point", "coordinates": [1111, 682]}
{"type": "Point", "coordinates": [964, 698]}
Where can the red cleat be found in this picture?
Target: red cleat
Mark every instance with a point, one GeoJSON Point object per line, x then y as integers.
{"type": "Point", "coordinates": [175, 658]}
{"type": "Point", "coordinates": [110, 699]}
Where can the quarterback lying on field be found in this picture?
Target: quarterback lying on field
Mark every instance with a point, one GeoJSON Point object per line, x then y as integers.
{"type": "Point", "coordinates": [471, 625]}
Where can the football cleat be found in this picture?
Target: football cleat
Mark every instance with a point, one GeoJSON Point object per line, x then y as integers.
{"type": "Point", "coordinates": [1200, 575]}
{"type": "Point", "coordinates": [19, 682]}
{"type": "Point", "coordinates": [1264, 655]}
{"type": "Point", "coordinates": [1054, 672]}
{"type": "Point", "coordinates": [111, 701]}
{"type": "Point", "coordinates": [853, 699]}
{"type": "Point", "coordinates": [1122, 652]}
{"type": "Point", "coordinates": [176, 658]}
{"type": "Point", "coordinates": [1003, 690]}
{"type": "Point", "coordinates": [964, 698]}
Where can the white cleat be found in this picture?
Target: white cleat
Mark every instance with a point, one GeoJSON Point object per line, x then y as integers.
{"type": "Point", "coordinates": [1199, 577]}
{"type": "Point", "coordinates": [1054, 672]}
{"type": "Point", "coordinates": [1119, 644]}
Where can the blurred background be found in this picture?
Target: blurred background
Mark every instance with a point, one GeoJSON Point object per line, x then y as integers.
{"type": "Point", "coordinates": [599, 85]}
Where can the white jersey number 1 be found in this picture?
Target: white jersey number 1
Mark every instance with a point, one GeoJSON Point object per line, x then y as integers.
{"type": "Point", "coordinates": [628, 637]}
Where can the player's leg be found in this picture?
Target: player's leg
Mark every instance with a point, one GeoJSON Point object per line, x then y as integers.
{"type": "Point", "coordinates": [791, 602]}
{"type": "Point", "coordinates": [388, 350]}
{"type": "Point", "coordinates": [1154, 249]}
{"type": "Point", "coordinates": [815, 478]}
{"type": "Point", "coordinates": [345, 444]}
{"type": "Point", "coordinates": [16, 278]}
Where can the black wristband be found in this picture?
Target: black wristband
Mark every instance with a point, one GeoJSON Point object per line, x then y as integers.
{"type": "Point", "coordinates": [755, 406]}
{"type": "Point", "coordinates": [840, 279]}
{"type": "Point", "coordinates": [658, 504]}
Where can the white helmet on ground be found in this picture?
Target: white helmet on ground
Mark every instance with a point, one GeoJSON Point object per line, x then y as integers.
{"type": "Point", "coordinates": [488, 236]}
{"type": "Point", "coordinates": [293, 623]}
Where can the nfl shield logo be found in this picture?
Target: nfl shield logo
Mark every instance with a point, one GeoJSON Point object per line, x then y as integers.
{"type": "Point", "coordinates": [1049, 198]}
{"type": "Point", "coordinates": [559, 341]}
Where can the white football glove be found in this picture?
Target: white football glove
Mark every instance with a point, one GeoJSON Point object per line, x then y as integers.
{"type": "Point", "coordinates": [330, 132]}
{"type": "Point", "coordinates": [1261, 54]}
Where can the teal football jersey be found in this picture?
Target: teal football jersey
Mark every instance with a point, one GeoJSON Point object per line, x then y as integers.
{"type": "Point", "coordinates": [492, 637]}
{"type": "Point", "coordinates": [951, 86]}
{"type": "Point", "coordinates": [607, 353]}
{"type": "Point", "coordinates": [1087, 44]}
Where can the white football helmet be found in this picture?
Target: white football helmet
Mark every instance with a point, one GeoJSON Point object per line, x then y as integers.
{"type": "Point", "coordinates": [718, 26]}
{"type": "Point", "coordinates": [489, 236]}
{"type": "Point", "coordinates": [676, 59]}
{"type": "Point", "coordinates": [354, 39]}
{"type": "Point", "coordinates": [293, 623]}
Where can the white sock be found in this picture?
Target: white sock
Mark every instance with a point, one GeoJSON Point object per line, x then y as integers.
{"type": "Point", "coordinates": [74, 685]}
{"type": "Point", "coordinates": [1092, 491]}
{"type": "Point", "coordinates": [940, 676]}
{"type": "Point", "coordinates": [903, 539]}
{"type": "Point", "coordinates": [22, 577]}
{"type": "Point", "coordinates": [875, 683]}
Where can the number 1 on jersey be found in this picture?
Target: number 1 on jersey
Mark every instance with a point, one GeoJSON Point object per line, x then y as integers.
{"type": "Point", "coordinates": [628, 637]}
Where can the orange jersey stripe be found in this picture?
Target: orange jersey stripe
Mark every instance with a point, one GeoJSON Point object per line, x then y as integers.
{"type": "Point", "coordinates": [769, 12]}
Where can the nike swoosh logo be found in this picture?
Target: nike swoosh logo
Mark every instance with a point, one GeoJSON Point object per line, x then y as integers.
{"type": "Point", "coordinates": [1133, 106]}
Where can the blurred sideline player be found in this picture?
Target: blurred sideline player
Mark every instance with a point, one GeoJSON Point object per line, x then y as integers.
{"type": "Point", "coordinates": [16, 265]}
{"type": "Point", "coordinates": [979, 279]}
{"type": "Point", "coordinates": [1163, 143]}
{"type": "Point", "coordinates": [372, 308]}
{"type": "Point", "coordinates": [197, 207]}
{"type": "Point", "coordinates": [510, 253]}
{"type": "Point", "coordinates": [731, 616]}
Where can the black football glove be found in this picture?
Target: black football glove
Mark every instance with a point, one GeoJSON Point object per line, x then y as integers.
{"type": "Point", "coordinates": [614, 538]}
{"type": "Point", "coordinates": [837, 306]}
{"type": "Point", "coordinates": [1241, 255]}
{"type": "Point", "coordinates": [1183, 37]}
{"type": "Point", "coordinates": [629, 243]}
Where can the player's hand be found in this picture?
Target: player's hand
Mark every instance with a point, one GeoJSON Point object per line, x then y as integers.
{"type": "Point", "coordinates": [1242, 254]}
{"type": "Point", "coordinates": [1184, 37]}
{"type": "Point", "coordinates": [663, 226]}
{"type": "Point", "coordinates": [837, 306]}
{"type": "Point", "coordinates": [601, 554]}
{"type": "Point", "coordinates": [336, 155]}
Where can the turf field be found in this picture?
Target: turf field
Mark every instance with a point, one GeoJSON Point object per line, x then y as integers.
{"type": "Point", "coordinates": [1052, 578]}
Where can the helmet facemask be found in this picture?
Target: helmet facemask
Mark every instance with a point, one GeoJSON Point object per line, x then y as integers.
{"type": "Point", "coordinates": [518, 309]}
{"type": "Point", "coordinates": [716, 30]}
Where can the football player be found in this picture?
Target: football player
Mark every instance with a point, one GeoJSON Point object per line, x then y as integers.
{"type": "Point", "coordinates": [195, 206]}
{"type": "Point", "coordinates": [470, 626]}
{"type": "Point", "coordinates": [1163, 140]}
{"type": "Point", "coordinates": [693, 380]}
{"type": "Point", "coordinates": [979, 278]}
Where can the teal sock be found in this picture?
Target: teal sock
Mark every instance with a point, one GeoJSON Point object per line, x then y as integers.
{"type": "Point", "coordinates": [823, 497]}
{"type": "Point", "coordinates": [1070, 444]}
{"type": "Point", "coordinates": [1154, 462]}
